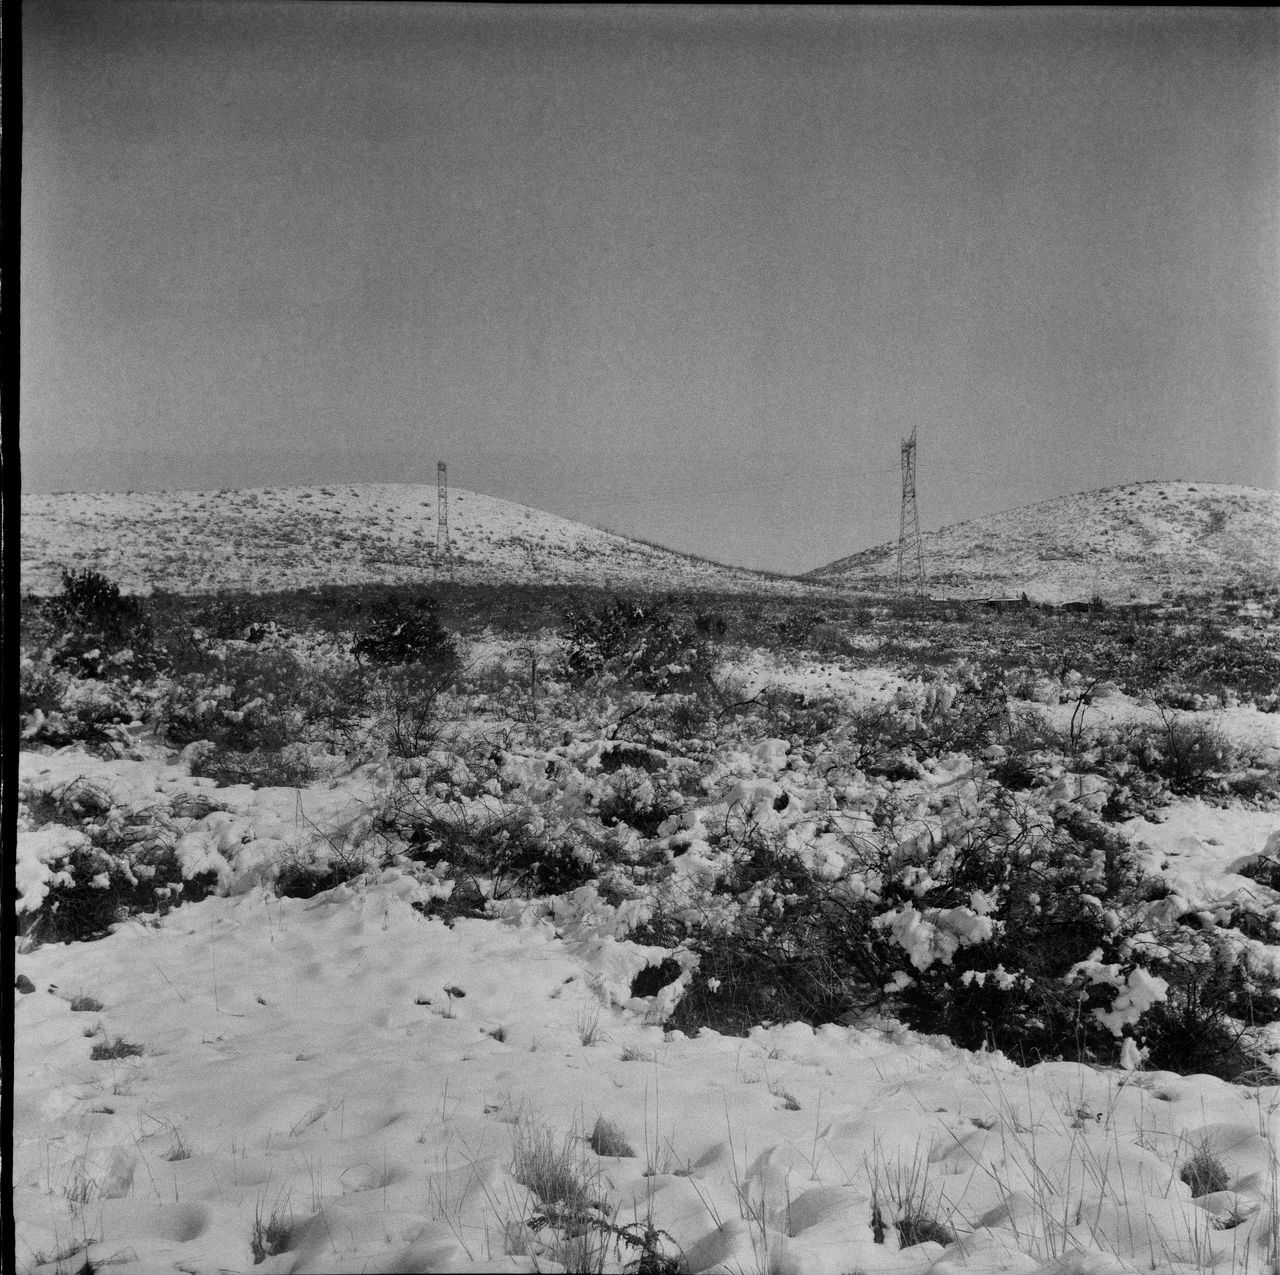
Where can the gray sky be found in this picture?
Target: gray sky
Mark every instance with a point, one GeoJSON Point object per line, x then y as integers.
{"type": "Point", "coordinates": [689, 274]}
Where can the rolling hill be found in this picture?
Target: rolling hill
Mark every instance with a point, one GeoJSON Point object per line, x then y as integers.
{"type": "Point", "coordinates": [281, 538]}
{"type": "Point", "coordinates": [1135, 541]}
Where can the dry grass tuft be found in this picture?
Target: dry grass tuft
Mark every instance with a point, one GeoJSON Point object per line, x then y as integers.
{"type": "Point", "coordinates": [119, 1048]}
{"type": "Point", "coordinates": [1204, 1173]}
{"type": "Point", "coordinates": [608, 1140]}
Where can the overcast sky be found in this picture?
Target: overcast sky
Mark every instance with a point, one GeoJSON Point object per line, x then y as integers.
{"type": "Point", "coordinates": [689, 274]}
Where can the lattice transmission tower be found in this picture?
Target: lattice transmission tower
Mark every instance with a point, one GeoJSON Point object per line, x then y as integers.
{"type": "Point", "coordinates": [910, 550]}
{"type": "Point", "coordinates": [442, 509]}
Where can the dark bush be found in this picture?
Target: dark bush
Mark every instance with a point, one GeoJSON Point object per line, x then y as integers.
{"type": "Point", "coordinates": [781, 962]}
{"type": "Point", "coordinates": [90, 601]}
{"type": "Point", "coordinates": [399, 631]}
{"type": "Point", "coordinates": [306, 880]}
{"type": "Point", "coordinates": [1215, 998]}
{"type": "Point", "coordinates": [259, 769]}
{"type": "Point", "coordinates": [96, 625]}
{"type": "Point", "coordinates": [510, 852]}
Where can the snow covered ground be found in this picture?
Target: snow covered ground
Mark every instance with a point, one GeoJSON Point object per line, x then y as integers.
{"type": "Point", "coordinates": [348, 1083]}
{"type": "Point", "coordinates": [304, 1061]}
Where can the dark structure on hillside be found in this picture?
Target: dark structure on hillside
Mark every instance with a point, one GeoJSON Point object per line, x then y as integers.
{"type": "Point", "coordinates": [910, 550]}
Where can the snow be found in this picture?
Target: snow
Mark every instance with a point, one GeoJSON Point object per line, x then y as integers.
{"type": "Point", "coordinates": [361, 1071]}
{"type": "Point", "coordinates": [306, 1057]}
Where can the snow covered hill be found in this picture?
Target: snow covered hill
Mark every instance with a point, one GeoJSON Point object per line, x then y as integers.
{"type": "Point", "coordinates": [280, 538]}
{"type": "Point", "coordinates": [1129, 542]}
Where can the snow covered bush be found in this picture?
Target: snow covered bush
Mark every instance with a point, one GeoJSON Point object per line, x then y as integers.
{"type": "Point", "coordinates": [642, 644]}
{"type": "Point", "coordinates": [89, 863]}
{"type": "Point", "coordinates": [1221, 988]}
{"type": "Point", "coordinates": [488, 848]}
{"type": "Point", "coordinates": [253, 703]}
{"type": "Point", "coordinates": [993, 919]}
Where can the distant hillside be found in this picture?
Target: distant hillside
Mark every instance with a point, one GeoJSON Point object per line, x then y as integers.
{"type": "Point", "coordinates": [1130, 542]}
{"type": "Point", "coordinates": [301, 537]}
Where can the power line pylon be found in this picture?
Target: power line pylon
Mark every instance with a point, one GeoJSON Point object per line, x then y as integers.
{"type": "Point", "coordinates": [442, 509]}
{"type": "Point", "coordinates": [910, 550]}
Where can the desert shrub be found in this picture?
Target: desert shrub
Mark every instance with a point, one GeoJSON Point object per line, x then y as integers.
{"type": "Point", "coordinates": [99, 629]}
{"type": "Point", "coordinates": [289, 767]}
{"type": "Point", "coordinates": [1216, 997]}
{"type": "Point", "coordinates": [982, 930]}
{"type": "Point", "coordinates": [65, 709]}
{"type": "Point", "coordinates": [796, 629]}
{"type": "Point", "coordinates": [1005, 926]}
{"type": "Point", "coordinates": [964, 715]}
{"type": "Point", "coordinates": [304, 879]}
{"type": "Point", "coordinates": [642, 644]}
{"type": "Point", "coordinates": [234, 616]}
{"type": "Point", "coordinates": [399, 631]}
{"type": "Point", "coordinates": [684, 718]}
{"type": "Point", "coordinates": [407, 703]}
{"type": "Point", "coordinates": [630, 797]}
{"type": "Point", "coordinates": [1031, 746]}
{"type": "Point", "coordinates": [779, 961]}
{"type": "Point", "coordinates": [1189, 755]}
{"type": "Point", "coordinates": [490, 853]}
{"type": "Point", "coordinates": [1193, 754]}
{"type": "Point", "coordinates": [790, 714]}
{"type": "Point", "coordinates": [711, 624]}
{"type": "Point", "coordinates": [40, 687]}
{"type": "Point", "coordinates": [90, 601]}
{"type": "Point", "coordinates": [1260, 784]}
{"type": "Point", "coordinates": [258, 701]}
